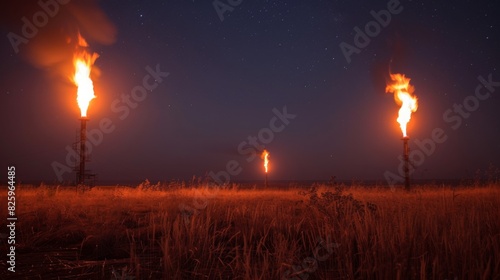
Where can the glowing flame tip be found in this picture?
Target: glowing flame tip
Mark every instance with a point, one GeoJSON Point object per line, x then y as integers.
{"type": "Point", "coordinates": [403, 95]}
{"type": "Point", "coordinates": [265, 157]}
{"type": "Point", "coordinates": [83, 62]}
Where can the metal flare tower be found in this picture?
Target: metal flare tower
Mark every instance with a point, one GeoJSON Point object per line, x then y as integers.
{"type": "Point", "coordinates": [83, 176]}
{"type": "Point", "coordinates": [80, 180]}
{"type": "Point", "coordinates": [406, 158]}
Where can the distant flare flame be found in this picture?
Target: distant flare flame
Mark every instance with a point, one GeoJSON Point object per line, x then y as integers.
{"type": "Point", "coordinates": [83, 62]}
{"type": "Point", "coordinates": [265, 157]}
{"type": "Point", "coordinates": [403, 95]}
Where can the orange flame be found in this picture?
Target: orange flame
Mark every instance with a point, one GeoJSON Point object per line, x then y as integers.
{"type": "Point", "coordinates": [265, 157]}
{"type": "Point", "coordinates": [403, 95]}
{"type": "Point", "coordinates": [83, 62]}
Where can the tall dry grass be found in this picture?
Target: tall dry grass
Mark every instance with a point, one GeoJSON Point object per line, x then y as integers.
{"type": "Point", "coordinates": [431, 232]}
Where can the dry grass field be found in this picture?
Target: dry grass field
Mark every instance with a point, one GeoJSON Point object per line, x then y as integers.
{"type": "Point", "coordinates": [310, 232]}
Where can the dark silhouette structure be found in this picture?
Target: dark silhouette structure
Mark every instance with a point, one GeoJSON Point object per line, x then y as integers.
{"type": "Point", "coordinates": [406, 157]}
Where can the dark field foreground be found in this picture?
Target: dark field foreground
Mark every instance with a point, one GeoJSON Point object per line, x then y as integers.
{"type": "Point", "coordinates": [163, 232]}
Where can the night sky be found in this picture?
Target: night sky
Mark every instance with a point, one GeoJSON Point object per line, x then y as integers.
{"type": "Point", "coordinates": [226, 76]}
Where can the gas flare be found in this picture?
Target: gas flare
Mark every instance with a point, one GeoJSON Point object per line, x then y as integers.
{"type": "Point", "coordinates": [83, 60]}
{"type": "Point", "coordinates": [403, 95]}
{"type": "Point", "coordinates": [265, 157]}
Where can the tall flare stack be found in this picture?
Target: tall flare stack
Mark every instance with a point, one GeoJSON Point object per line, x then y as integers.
{"type": "Point", "coordinates": [265, 157]}
{"type": "Point", "coordinates": [83, 152]}
{"type": "Point", "coordinates": [406, 157]}
{"type": "Point", "coordinates": [403, 95]}
{"type": "Point", "coordinates": [83, 61]}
